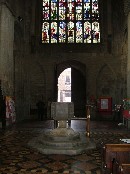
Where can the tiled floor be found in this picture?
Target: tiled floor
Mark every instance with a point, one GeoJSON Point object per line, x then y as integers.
{"type": "Point", "coordinates": [17, 158]}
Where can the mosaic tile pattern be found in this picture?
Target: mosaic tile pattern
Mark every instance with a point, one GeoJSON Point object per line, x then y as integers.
{"type": "Point", "coordinates": [17, 158]}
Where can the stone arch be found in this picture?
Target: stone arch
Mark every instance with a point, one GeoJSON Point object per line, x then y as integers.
{"type": "Point", "coordinates": [78, 84]}
{"type": "Point", "coordinates": [106, 82]}
{"type": "Point", "coordinates": [73, 64]}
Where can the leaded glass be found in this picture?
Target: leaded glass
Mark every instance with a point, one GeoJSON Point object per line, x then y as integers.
{"type": "Point", "coordinates": [95, 13]}
{"type": "Point", "coordinates": [87, 12]}
{"type": "Point", "coordinates": [54, 35]}
{"type": "Point", "coordinates": [45, 9]}
{"type": "Point", "coordinates": [78, 10]}
{"type": "Point", "coordinates": [45, 34]}
{"type": "Point", "coordinates": [70, 10]}
{"type": "Point", "coordinates": [87, 32]}
{"type": "Point", "coordinates": [62, 32]}
{"type": "Point", "coordinates": [62, 9]}
{"type": "Point", "coordinates": [71, 32]}
{"type": "Point", "coordinates": [54, 10]}
{"type": "Point", "coordinates": [70, 21]}
{"type": "Point", "coordinates": [95, 32]}
{"type": "Point", "coordinates": [79, 35]}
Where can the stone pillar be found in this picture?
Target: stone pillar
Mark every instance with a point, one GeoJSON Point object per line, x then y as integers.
{"type": "Point", "coordinates": [128, 59]}
{"type": "Point", "coordinates": [6, 49]}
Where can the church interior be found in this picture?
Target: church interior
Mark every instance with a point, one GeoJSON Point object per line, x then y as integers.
{"type": "Point", "coordinates": [65, 51]}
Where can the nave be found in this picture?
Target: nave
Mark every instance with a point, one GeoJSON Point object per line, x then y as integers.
{"type": "Point", "coordinates": [17, 158]}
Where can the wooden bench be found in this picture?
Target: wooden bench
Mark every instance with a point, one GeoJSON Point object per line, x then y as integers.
{"type": "Point", "coordinates": [120, 168]}
{"type": "Point", "coordinates": [124, 169]}
{"type": "Point", "coordinates": [111, 153]}
{"type": "Point", "coordinates": [115, 167]}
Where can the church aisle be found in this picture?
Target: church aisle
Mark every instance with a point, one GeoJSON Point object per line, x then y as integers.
{"type": "Point", "coordinates": [17, 158]}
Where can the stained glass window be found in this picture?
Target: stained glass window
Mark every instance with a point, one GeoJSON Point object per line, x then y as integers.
{"type": "Point", "coordinates": [70, 21]}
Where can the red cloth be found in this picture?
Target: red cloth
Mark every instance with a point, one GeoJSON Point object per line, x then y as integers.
{"type": "Point", "coordinates": [126, 113]}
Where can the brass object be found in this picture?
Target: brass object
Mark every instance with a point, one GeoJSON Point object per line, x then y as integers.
{"type": "Point", "coordinates": [88, 121]}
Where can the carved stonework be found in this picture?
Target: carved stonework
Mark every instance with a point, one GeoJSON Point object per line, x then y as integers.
{"type": "Point", "coordinates": [126, 6]}
{"type": "Point", "coordinates": [62, 110]}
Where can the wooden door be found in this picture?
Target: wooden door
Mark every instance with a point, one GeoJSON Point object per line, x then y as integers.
{"type": "Point", "coordinates": [78, 93]}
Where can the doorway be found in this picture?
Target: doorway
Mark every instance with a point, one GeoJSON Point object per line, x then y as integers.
{"type": "Point", "coordinates": [64, 86]}
{"type": "Point", "coordinates": [76, 83]}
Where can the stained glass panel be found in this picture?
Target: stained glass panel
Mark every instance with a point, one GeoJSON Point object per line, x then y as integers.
{"type": "Point", "coordinates": [95, 12]}
{"type": "Point", "coordinates": [87, 32]}
{"type": "Point", "coordinates": [87, 12]}
{"type": "Point", "coordinates": [71, 32]}
{"type": "Point", "coordinates": [53, 9]}
{"type": "Point", "coordinates": [79, 33]}
{"type": "Point", "coordinates": [45, 9]}
{"type": "Point", "coordinates": [70, 10]}
{"type": "Point", "coordinates": [62, 9]}
{"type": "Point", "coordinates": [54, 35]}
{"type": "Point", "coordinates": [70, 21]}
{"type": "Point", "coordinates": [95, 32]}
{"type": "Point", "coordinates": [62, 32]}
{"type": "Point", "coordinates": [78, 9]}
{"type": "Point", "coordinates": [45, 35]}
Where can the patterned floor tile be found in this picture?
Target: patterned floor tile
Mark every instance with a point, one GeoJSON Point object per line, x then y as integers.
{"type": "Point", "coordinates": [17, 158]}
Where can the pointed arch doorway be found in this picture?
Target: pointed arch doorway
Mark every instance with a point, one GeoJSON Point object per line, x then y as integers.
{"type": "Point", "coordinates": [64, 86]}
{"type": "Point", "coordinates": [78, 85]}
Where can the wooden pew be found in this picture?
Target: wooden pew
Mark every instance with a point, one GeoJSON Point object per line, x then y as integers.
{"type": "Point", "coordinates": [120, 168]}
{"type": "Point", "coordinates": [124, 169]}
{"type": "Point", "coordinates": [115, 167]}
{"type": "Point", "coordinates": [119, 153]}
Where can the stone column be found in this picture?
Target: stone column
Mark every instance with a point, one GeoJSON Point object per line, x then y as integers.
{"type": "Point", "coordinates": [128, 59]}
{"type": "Point", "coordinates": [6, 49]}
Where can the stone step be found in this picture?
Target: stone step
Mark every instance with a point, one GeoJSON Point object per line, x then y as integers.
{"type": "Point", "coordinates": [62, 144]}
{"type": "Point", "coordinates": [70, 151]}
{"type": "Point", "coordinates": [70, 143]}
